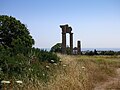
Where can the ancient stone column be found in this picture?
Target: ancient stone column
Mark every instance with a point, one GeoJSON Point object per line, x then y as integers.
{"type": "Point", "coordinates": [71, 43]}
{"type": "Point", "coordinates": [79, 47]}
{"type": "Point", "coordinates": [64, 29]}
{"type": "Point", "coordinates": [64, 43]}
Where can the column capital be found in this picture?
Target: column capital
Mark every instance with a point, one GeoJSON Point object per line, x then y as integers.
{"type": "Point", "coordinates": [70, 28]}
{"type": "Point", "coordinates": [63, 26]}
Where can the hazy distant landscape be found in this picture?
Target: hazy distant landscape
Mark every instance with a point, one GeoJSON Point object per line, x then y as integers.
{"type": "Point", "coordinates": [92, 49]}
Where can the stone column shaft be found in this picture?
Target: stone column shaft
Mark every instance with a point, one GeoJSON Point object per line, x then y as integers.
{"type": "Point", "coordinates": [71, 43]}
{"type": "Point", "coordinates": [64, 43]}
{"type": "Point", "coordinates": [79, 47]}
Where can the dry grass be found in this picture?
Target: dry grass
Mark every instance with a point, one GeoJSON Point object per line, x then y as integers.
{"type": "Point", "coordinates": [114, 86]}
{"type": "Point", "coordinates": [78, 73]}
{"type": "Point", "coordinates": [74, 77]}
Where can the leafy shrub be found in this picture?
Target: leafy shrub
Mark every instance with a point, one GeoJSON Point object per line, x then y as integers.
{"type": "Point", "coordinates": [13, 65]}
{"type": "Point", "coordinates": [44, 55]}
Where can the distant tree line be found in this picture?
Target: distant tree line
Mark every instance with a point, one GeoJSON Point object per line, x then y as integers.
{"type": "Point", "coordinates": [57, 48]}
{"type": "Point", "coordinates": [95, 52]}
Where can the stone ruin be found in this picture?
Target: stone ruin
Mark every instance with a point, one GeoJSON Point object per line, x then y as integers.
{"type": "Point", "coordinates": [68, 29]}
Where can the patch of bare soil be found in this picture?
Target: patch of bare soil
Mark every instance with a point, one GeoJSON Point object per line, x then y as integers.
{"type": "Point", "coordinates": [111, 84]}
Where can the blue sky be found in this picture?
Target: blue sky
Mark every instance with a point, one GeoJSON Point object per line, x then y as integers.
{"type": "Point", "coordinates": [96, 23]}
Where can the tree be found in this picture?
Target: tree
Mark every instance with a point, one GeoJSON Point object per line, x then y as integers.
{"type": "Point", "coordinates": [89, 53]}
{"type": "Point", "coordinates": [68, 50]}
{"type": "Point", "coordinates": [57, 48]}
{"type": "Point", "coordinates": [95, 52]}
{"type": "Point", "coordinates": [14, 34]}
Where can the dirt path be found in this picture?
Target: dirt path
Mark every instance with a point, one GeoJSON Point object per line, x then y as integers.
{"type": "Point", "coordinates": [109, 83]}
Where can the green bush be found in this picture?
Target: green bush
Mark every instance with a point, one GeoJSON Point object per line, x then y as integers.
{"type": "Point", "coordinates": [57, 48]}
{"type": "Point", "coordinates": [13, 65]}
{"type": "Point", "coordinates": [44, 55]}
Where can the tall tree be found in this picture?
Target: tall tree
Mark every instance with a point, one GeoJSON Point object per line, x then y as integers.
{"type": "Point", "coordinates": [14, 34]}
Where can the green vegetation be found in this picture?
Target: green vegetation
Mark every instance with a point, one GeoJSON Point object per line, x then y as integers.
{"type": "Point", "coordinates": [18, 60]}
{"type": "Point", "coordinates": [44, 55]}
{"type": "Point", "coordinates": [57, 48]}
{"type": "Point", "coordinates": [14, 35]}
{"type": "Point", "coordinates": [95, 52]}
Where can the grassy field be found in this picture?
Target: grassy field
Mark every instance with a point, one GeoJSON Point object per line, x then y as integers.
{"type": "Point", "coordinates": [74, 73]}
